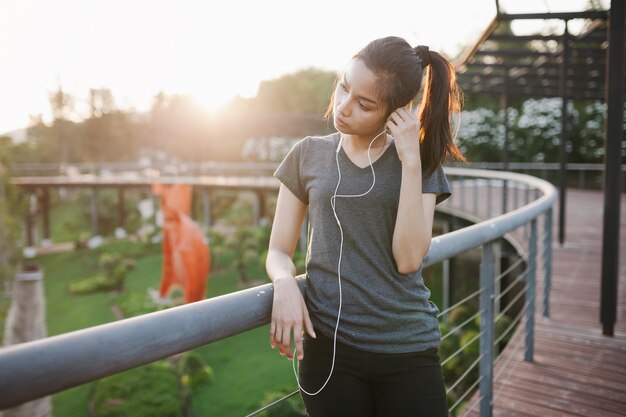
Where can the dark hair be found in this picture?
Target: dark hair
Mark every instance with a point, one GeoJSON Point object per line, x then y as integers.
{"type": "Point", "coordinates": [400, 69]}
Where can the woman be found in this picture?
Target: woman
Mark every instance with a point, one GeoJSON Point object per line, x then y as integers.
{"type": "Point", "coordinates": [367, 335]}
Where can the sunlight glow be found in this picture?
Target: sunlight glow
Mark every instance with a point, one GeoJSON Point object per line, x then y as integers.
{"type": "Point", "coordinates": [139, 48]}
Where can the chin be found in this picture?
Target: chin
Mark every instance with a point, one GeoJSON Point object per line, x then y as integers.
{"type": "Point", "coordinates": [342, 128]}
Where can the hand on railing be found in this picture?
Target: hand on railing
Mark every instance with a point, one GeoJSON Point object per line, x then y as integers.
{"type": "Point", "coordinates": [289, 313]}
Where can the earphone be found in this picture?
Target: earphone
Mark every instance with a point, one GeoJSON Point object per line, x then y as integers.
{"type": "Point", "coordinates": [332, 203]}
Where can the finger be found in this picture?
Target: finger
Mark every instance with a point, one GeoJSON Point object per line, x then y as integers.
{"type": "Point", "coordinates": [308, 324]}
{"type": "Point", "coordinates": [393, 128]}
{"type": "Point", "coordinates": [402, 114]}
{"type": "Point", "coordinates": [297, 338]}
{"type": "Point", "coordinates": [395, 118]}
{"type": "Point", "coordinates": [406, 113]}
{"type": "Point", "coordinates": [286, 342]}
{"type": "Point", "coordinates": [278, 337]}
{"type": "Point", "coordinates": [272, 339]}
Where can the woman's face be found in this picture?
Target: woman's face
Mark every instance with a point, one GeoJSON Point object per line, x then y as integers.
{"type": "Point", "coordinates": [357, 110]}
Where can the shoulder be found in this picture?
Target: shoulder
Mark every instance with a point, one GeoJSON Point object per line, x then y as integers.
{"type": "Point", "coordinates": [317, 143]}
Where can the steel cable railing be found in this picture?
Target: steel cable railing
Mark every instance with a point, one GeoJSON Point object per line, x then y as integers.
{"type": "Point", "coordinates": [462, 348]}
{"type": "Point", "coordinates": [463, 301]}
{"type": "Point", "coordinates": [512, 325]}
{"type": "Point", "coordinates": [460, 326]}
{"type": "Point", "coordinates": [46, 366]}
{"type": "Point", "coordinates": [468, 391]}
{"type": "Point", "coordinates": [467, 371]}
{"type": "Point", "coordinates": [511, 268]}
{"type": "Point", "coordinates": [510, 286]}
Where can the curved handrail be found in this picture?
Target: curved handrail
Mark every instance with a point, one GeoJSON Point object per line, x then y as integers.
{"type": "Point", "coordinates": [453, 243]}
{"type": "Point", "coordinates": [35, 369]}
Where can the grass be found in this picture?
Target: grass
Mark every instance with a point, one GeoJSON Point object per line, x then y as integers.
{"type": "Point", "coordinates": [245, 369]}
{"type": "Point", "coordinates": [5, 303]}
{"type": "Point", "coordinates": [245, 366]}
{"type": "Point", "coordinates": [64, 213]}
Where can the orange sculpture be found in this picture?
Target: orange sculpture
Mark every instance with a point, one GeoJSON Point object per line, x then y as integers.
{"type": "Point", "coordinates": [186, 256]}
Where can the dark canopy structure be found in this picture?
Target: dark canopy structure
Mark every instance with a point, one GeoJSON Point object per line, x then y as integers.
{"type": "Point", "coordinates": [588, 65]}
{"type": "Point", "coordinates": [555, 65]}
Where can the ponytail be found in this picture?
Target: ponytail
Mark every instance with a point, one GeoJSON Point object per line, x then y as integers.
{"type": "Point", "coordinates": [442, 98]}
{"type": "Point", "coordinates": [400, 69]}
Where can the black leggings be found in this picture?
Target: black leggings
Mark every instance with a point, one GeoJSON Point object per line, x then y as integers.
{"type": "Point", "coordinates": [371, 384]}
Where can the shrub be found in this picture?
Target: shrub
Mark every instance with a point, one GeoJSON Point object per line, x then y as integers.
{"type": "Point", "coordinates": [115, 267]}
{"type": "Point", "coordinates": [192, 372]}
{"type": "Point", "coordinates": [148, 391]}
{"type": "Point", "coordinates": [461, 314]}
{"type": "Point", "coordinates": [92, 284]}
{"type": "Point", "coordinates": [159, 389]}
{"type": "Point", "coordinates": [291, 407]}
{"type": "Point", "coordinates": [136, 304]}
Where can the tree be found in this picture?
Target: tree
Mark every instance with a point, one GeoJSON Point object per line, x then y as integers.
{"type": "Point", "coordinates": [10, 225]}
{"type": "Point", "coordinates": [305, 91]}
{"type": "Point", "coordinates": [62, 105]}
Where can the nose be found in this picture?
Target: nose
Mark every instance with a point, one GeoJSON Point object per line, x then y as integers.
{"type": "Point", "coordinates": [343, 107]}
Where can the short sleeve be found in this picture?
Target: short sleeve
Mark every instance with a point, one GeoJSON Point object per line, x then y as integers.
{"type": "Point", "coordinates": [437, 183]}
{"type": "Point", "coordinates": [289, 172]}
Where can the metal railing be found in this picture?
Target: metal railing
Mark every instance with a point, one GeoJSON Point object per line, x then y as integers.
{"type": "Point", "coordinates": [43, 367]}
{"type": "Point", "coordinates": [582, 175]}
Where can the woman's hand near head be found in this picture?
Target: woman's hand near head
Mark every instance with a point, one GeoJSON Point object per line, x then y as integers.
{"type": "Point", "coordinates": [405, 129]}
{"type": "Point", "coordinates": [289, 313]}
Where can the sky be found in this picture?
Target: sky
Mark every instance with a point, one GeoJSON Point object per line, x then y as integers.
{"type": "Point", "coordinates": [210, 50]}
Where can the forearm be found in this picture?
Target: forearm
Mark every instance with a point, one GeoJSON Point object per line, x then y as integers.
{"type": "Point", "coordinates": [411, 237]}
{"type": "Point", "coordinates": [279, 265]}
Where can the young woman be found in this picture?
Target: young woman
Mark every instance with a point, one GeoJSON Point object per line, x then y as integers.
{"type": "Point", "coordinates": [367, 335]}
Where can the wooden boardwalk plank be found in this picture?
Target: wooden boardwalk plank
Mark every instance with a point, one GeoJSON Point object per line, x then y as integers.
{"type": "Point", "coordinates": [577, 371]}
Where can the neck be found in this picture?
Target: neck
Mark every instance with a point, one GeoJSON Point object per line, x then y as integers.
{"type": "Point", "coordinates": [358, 142]}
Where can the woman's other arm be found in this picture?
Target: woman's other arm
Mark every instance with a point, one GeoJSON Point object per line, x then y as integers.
{"type": "Point", "coordinates": [289, 312]}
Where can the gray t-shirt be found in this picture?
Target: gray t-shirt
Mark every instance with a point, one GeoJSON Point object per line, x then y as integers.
{"type": "Point", "coordinates": [382, 310]}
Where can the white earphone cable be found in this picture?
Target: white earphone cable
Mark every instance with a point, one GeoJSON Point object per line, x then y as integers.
{"type": "Point", "coordinates": [332, 203]}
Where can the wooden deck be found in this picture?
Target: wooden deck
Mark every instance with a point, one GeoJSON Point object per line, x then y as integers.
{"type": "Point", "coordinates": [577, 371]}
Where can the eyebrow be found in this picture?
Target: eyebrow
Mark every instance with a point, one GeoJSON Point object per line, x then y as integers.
{"type": "Point", "coordinates": [360, 97]}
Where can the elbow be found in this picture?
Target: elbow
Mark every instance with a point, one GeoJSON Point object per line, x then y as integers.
{"type": "Point", "coordinates": [411, 262]}
{"type": "Point", "coordinates": [410, 266]}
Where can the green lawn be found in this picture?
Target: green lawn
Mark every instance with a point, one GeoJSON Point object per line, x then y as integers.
{"type": "Point", "coordinates": [245, 366]}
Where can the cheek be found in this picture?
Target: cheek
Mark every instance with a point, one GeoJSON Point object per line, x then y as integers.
{"type": "Point", "coordinates": [338, 98]}
{"type": "Point", "coordinates": [376, 119]}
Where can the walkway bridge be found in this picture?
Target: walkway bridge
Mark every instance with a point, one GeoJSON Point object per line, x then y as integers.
{"type": "Point", "coordinates": [556, 363]}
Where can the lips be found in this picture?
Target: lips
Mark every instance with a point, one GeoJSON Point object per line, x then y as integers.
{"type": "Point", "coordinates": [340, 122]}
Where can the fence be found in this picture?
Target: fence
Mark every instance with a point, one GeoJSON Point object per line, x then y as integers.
{"type": "Point", "coordinates": [36, 369]}
{"type": "Point", "coordinates": [581, 175]}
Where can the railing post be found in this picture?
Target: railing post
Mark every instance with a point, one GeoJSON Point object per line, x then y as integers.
{"type": "Point", "coordinates": [505, 196]}
{"type": "Point", "coordinates": [530, 292]}
{"type": "Point", "coordinates": [206, 208]}
{"type": "Point", "coordinates": [121, 206]}
{"type": "Point", "coordinates": [489, 198]}
{"type": "Point", "coordinates": [475, 202]}
{"type": "Point", "coordinates": [94, 212]}
{"type": "Point", "coordinates": [462, 193]}
{"type": "Point", "coordinates": [256, 208]}
{"type": "Point", "coordinates": [547, 263]}
{"type": "Point", "coordinates": [45, 213]}
{"type": "Point", "coordinates": [487, 278]}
